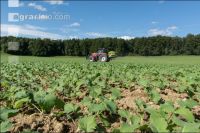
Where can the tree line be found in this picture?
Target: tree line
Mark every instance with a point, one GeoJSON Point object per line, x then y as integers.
{"type": "Point", "coordinates": [145, 46]}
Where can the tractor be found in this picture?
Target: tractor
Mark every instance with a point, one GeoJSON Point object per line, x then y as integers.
{"type": "Point", "coordinates": [101, 55]}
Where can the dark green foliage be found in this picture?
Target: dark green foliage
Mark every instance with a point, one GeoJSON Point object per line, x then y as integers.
{"type": "Point", "coordinates": [145, 46]}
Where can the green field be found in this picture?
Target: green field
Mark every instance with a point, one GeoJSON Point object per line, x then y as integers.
{"type": "Point", "coordinates": [127, 59]}
{"type": "Point", "coordinates": [128, 94]}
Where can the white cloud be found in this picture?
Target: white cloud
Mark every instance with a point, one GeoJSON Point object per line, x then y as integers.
{"type": "Point", "coordinates": [73, 37]}
{"type": "Point", "coordinates": [68, 30]}
{"type": "Point", "coordinates": [28, 26]}
{"type": "Point", "coordinates": [126, 37]}
{"type": "Point", "coordinates": [95, 34]}
{"type": "Point", "coordinates": [56, 2]}
{"type": "Point", "coordinates": [37, 7]}
{"type": "Point", "coordinates": [75, 24]}
{"type": "Point", "coordinates": [29, 30]}
{"type": "Point", "coordinates": [164, 32]}
{"type": "Point", "coordinates": [154, 22]}
{"type": "Point", "coordinates": [74, 27]}
{"type": "Point", "coordinates": [155, 32]}
{"type": "Point", "coordinates": [172, 28]}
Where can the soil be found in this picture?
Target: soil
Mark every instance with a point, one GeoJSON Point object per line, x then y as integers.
{"type": "Point", "coordinates": [129, 97]}
{"type": "Point", "coordinates": [38, 122]}
{"type": "Point", "coordinates": [171, 95]}
{"type": "Point", "coordinates": [113, 126]}
{"type": "Point", "coordinates": [48, 123]}
{"type": "Point", "coordinates": [196, 111]}
{"type": "Point", "coordinates": [3, 103]}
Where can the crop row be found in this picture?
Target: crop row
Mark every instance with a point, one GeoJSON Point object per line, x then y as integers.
{"type": "Point", "coordinates": [91, 97]}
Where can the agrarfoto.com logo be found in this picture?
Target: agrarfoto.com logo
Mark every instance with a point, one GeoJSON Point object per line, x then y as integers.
{"type": "Point", "coordinates": [15, 17]}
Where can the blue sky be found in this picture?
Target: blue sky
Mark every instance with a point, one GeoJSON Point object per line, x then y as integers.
{"type": "Point", "coordinates": [85, 19]}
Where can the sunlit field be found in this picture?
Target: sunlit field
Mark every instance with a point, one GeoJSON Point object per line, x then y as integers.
{"type": "Point", "coordinates": [127, 59]}
{"type": "Point", "coordinates": [69, 94]}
